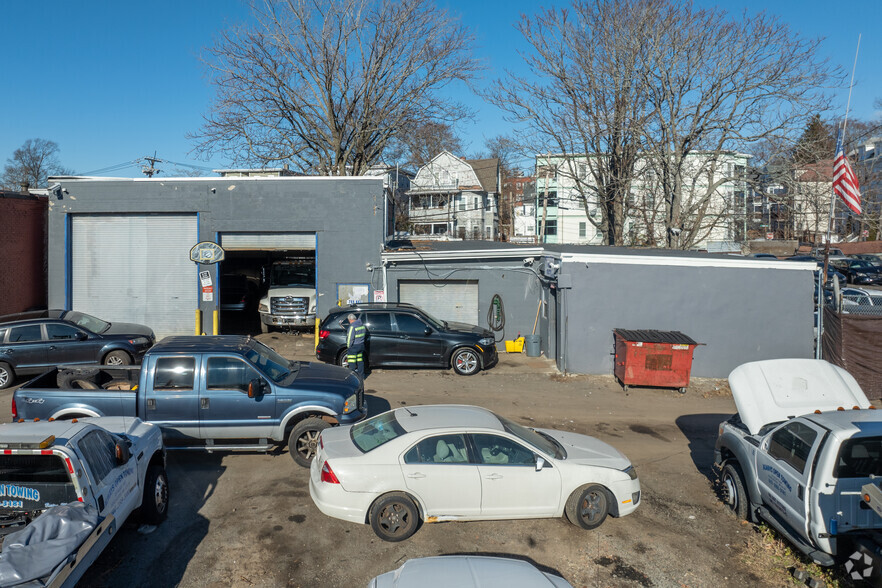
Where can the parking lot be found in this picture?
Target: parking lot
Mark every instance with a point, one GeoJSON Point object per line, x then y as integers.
{"type": "Point", "coordinates": [247, 519]}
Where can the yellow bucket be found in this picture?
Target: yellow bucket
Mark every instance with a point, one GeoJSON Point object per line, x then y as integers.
{"type": "Point", "coordinates": [516, 346]}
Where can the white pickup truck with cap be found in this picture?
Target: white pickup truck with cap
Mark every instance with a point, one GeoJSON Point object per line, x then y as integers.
{"type": "Point", "coordinates": [65, 488]}
{"type": "Point", "coordinates": [796, 456]}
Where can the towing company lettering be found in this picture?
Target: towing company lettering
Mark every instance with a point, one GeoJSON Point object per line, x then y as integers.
{"type": "Point", "coordinates": [13, 491]}
{"type": "Point", "coordinates": [777, 481]}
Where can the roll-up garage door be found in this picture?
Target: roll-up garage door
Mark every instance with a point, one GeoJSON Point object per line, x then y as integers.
{"type": "Point", "coordinates": [267, 241]}
{"type": "Point", "coordinates": [135, 268]}
{"type": "Point", "coordinates": [448, 300]}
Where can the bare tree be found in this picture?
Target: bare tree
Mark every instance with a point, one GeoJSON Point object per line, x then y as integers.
{"type": "Point", "coordinates": [584, 98]}
{"type": "Point", "coordinates": [329, 85]}
{"type": "Point", "coordinates": [716, 84]}
{"type": "Point", "coordinates": [423, 141]}
{"type": "Point", "coordinates": [32, 164]}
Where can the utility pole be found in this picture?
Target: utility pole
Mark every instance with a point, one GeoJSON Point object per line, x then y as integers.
{"type": "Point", "coordinates": [151, 171]}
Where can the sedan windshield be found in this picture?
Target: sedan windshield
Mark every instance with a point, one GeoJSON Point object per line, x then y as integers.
{"type": "Point", "coordinates": [87, 321]}
{"type": "Point", "coordinates": [546, 444]}
{"type": "Point", "coordinates": [272, 364]}
{"type": "Point", "coordinates": [376, 431]}
{"type": "Point", "coordinates": [861, 265]}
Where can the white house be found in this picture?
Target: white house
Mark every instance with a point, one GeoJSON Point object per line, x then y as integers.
{"type": "Point", "coordinates": [454, 198]}
{"type": "Point", "coordinates": [714, 190]}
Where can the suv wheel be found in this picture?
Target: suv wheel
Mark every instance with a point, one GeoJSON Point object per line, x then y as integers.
{"type": "Point", "coordinates": [7, 376]}
{"type": "Point", "coordinates": [465, 361]}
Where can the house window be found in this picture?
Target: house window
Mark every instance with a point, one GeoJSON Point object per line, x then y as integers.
{"type": "Point", "coordinates": [551, 227]}
{"type": "Point", "coordinates": [552, 198]}
{"type": "Point", "coordinates": [583, 229]}
{"type": "Point", "coordinates": [583, 170]}
{"type": "Point", "coordinates": [476, 203]}
{"type": "Point", "coordinates": [460, 202]}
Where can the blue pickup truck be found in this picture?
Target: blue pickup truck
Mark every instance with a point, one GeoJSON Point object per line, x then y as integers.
{"type": "Point", "coordinates": [212, 393]}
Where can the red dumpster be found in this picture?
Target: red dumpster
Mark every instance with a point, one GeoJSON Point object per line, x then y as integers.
{"type": "Point", "coordinates": [653, 358]}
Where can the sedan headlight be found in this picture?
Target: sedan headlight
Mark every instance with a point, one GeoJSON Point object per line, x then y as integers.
{"type": "Point", "coordinates": [487, 341]}
{"type": "Point", "coordinates": [860, 274]}
{"type": "Point", "coordinates": [631, 471]}
{"type": "Point", "coordinates": [262, 308]}
{"type": "Point", "coordinates": [350, 404]}
{"type": "Point", "coordinates": [139, 341]}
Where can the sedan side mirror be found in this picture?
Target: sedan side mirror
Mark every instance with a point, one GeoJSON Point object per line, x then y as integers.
{"type": "Point", "coordinates": [82, 336]}
{"type": "Point", "coordinates": [540, 462]}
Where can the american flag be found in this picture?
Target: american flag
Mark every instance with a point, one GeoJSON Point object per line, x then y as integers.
{"type": "Point", "coordinates": [845, 184]}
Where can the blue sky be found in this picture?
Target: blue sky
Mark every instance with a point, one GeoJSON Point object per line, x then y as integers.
{"type": "Point", "coordinates": [113, 81]}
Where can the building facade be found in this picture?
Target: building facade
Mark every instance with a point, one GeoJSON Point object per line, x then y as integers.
{"type": "Point", "coordinates": [23, 242]}
{"type": "Point", "coordinates": [455, 198]}
{"type": "Point", "coordinates": [120, 248]}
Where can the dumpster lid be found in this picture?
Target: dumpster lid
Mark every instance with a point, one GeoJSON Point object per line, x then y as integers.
{"type": "Point", "coordinates": [775, 390]}
{"type": "Point", "coordinates": [650, 336]}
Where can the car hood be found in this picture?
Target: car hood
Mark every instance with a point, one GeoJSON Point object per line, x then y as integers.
{"type": "Point", "coordinates": [129, 329]}
{"type": "Point", "coordinates": [325, 377]}
{"type": "Point", "coordinates": [467, 328]}
{"type": "Point", "coordinates": [775, 390]}
{"type": "Point", "coordinates": [588, 450]}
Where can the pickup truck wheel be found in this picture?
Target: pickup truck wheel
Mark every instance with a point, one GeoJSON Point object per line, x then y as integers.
{"type": "Point", "coordinates": [7, 376]}
{"type": "Point", "coordinates": [303, 441]}
{"type": "Point", "coordinates": [465, 361]}
{"type": "Point", "coordinates": [734, 494]}
{"type": "Point", "coordinates": [588, 507]}
{"type": "Point", "coordinates": [394, 517]}
{"type": "Point", "coordinates": [154, 507]}
{"type": "Point", "coordinates": [117, 358]}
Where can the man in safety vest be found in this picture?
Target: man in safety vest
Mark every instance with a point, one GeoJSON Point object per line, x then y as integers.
{"type": "Point", "coordinates": [355, 344]}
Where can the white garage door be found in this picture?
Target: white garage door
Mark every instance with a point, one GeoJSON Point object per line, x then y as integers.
{"type": "Point", "coordinates": [448, 300]}
{"type": "Point", "coordinates": [136, 269]}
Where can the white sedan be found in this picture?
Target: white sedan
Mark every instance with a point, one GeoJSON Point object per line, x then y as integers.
{"type": "Point", "coordinates": [449, 462]}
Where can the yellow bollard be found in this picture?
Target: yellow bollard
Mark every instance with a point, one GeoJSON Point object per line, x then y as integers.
{"type": "Point", "coordinates": [317, 323]}
{"type": "Point", "coordinates": [198, 322]}
{"type": "Point", "coordinates": [215, 329]}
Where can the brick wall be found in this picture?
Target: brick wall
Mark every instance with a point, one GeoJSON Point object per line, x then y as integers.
{"type": "Point", "coordinates": [23, 243]}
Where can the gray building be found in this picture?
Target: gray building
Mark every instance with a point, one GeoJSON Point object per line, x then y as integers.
{"type": "Point", "coordinates": [742, 309]}
{"type": "Point", "coordinates": [119, 248]}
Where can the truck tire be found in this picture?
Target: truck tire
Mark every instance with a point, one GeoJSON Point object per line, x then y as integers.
{"type": "Point", "coordinates": [67, 376]}
{"type": "Point", "coordinates": [154, 505]}
{"type": "Point", "coordinates": [117, 357]}
{"type": "Point", "coordinates": [7, 375]}
{"type": "Point", "coordinates": [733, 490]}
{"type": "Point", "coordinates": [303, 440]}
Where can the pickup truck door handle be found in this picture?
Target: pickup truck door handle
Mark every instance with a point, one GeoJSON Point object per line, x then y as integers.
{"type": "Point", "coordinates": [800, 491]}
{"type": "Point", "coordinates": [52, 348]}
{"type": "Point", "coordinates": [151, 403]}
{"type": "Point", "coordinates": [493, 477]}
{"type": "Point", "coordinates": [203, 403]}
{"type": "Point", "coordinates": [416, 475]}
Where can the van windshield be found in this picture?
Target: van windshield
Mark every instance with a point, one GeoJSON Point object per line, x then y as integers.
{"type": "Point", "coordinates": [859, 457]}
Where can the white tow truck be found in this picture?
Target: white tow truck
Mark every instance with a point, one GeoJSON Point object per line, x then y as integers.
{"type": "Point", "coordinates": [65, 488]}
{"type": "Point", "coordinates": [797, 455]}
{"type": "Point", "coordinates": [290, 298]}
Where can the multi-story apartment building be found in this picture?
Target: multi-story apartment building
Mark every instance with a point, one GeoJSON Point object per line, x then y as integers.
{"type": "Point", "coordinates": [452, 197]}
{"type": "Point", "coordinates": [714, 201]}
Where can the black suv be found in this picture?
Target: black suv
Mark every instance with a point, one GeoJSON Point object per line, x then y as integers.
{"type": "Point", "coordinates": [402, 335]}
{"type": "Point", "coordinates": [31, 342]}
